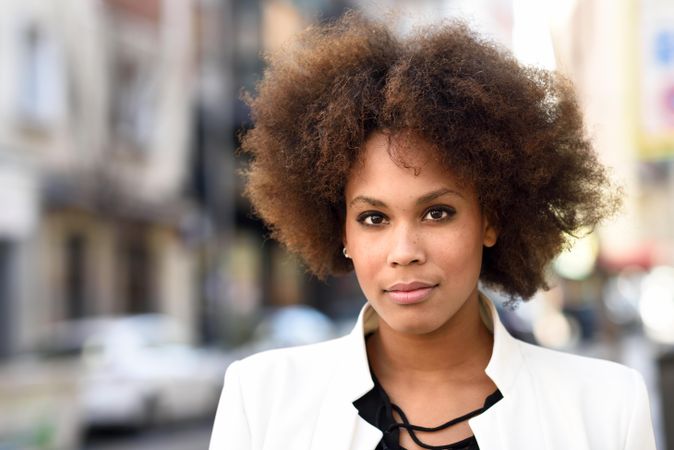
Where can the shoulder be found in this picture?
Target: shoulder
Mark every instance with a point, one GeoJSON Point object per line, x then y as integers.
{"type": "Point", "coordinates": [593, 385]}
{"type": "Point", "coordinates": [312, 357]}
{"type": "Point", "coordinates": [278, 372]}
{"type": "Point", "coordinates": [575, 369]}
{"type": "Point", "coordinates": [609, 398]}
{"type": "Point", "coordinates": [270, 392]}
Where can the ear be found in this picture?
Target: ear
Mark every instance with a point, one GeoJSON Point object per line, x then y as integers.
{"type": "Point", "coordinates": [489, 232]}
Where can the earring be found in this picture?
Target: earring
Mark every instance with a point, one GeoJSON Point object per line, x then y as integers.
{"type": "Point", "coordinates": [346, 255]}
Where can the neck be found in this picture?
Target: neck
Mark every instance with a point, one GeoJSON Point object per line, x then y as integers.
{"type": "Point", "coordinates": [456, 353]}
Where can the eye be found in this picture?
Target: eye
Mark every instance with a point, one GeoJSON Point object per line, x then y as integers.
{"type": "Point", "coordinates": [372, 218]}
{"type": "Point", "coordinates": [439, 213]}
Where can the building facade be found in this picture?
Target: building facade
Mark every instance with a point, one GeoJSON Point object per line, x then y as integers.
{"type": "Point", "coordinates": [96, 104]}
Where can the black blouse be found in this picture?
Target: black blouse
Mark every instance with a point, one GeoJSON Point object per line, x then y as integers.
{"type": "Point", "coordinates": [376, 408]}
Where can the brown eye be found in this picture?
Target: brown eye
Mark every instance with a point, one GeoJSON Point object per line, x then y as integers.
{"type": "Point", "coordinates": [372, 219]}
{"type": "Point", "coordinates": [439, 214]}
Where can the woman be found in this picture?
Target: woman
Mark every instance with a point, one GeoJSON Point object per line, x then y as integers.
{"type": "Point", "coordinates": [426, 165]}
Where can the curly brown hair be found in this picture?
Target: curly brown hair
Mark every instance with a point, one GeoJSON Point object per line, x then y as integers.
{"type": "Point", "coordinates": [513, 131]}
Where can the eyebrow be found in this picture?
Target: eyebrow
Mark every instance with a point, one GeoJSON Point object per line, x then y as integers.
{"type": "Point", "coordinates": [420, 201]}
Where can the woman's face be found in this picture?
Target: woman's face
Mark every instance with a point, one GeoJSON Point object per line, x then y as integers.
{"type": "Point", "coordinates": [415, 239]}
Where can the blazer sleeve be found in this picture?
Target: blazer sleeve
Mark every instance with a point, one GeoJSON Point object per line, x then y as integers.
{"type": "Point", "coordinates": [640, 429]}
{"type": "Point", "coordinates": [231, 430]}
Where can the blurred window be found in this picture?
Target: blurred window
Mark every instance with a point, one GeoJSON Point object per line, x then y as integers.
{"type": "Point", "coordinates": [40, 94]}
{"type": "Point", "coordinates": [133, 99]}
{"type": "Point", "coordinates": [135, 71]}
{"type": "Point", "coordinates": [5, 296]}
{"type": "Point", "coordinates": [664, 47]}
{"type": "Point", "coordinates": [55, 350]}
{"type": "Point", "coordinates": [138, 273]}
{"type": "Point", "coordinates": [247, 38]}
{"type": "Point", "coordinates": [75, 275]}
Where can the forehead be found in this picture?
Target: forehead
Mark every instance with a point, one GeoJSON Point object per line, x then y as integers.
{"type": "Point", "coordinates": [405, 149]}
{"type": "Point", "coordinates": [400, 164]}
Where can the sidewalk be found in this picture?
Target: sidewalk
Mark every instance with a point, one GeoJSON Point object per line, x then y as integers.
{"type": "Point", "coordinates": [39, 407]}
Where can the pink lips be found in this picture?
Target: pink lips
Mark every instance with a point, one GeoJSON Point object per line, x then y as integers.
{"type": "Point", "coordinates": [409, 293]}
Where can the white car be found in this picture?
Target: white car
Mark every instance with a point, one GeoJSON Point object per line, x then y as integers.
{"type": "Point", "coordinates": [139, 370]}
{"type": "Point", "coordinates": [287, 326]}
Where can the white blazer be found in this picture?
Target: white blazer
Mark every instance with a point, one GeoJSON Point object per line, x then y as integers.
{"type": "Point", "coordinates": [301, 398]}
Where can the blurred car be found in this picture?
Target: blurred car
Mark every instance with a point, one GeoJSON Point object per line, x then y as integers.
{"type": "Point", "coordinates": [288, 326]}
{"type": "Point", "coordinates": [138, 370]}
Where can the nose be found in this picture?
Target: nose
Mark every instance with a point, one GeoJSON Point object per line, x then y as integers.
{"type": "Point", "coordinates": [405, 247]}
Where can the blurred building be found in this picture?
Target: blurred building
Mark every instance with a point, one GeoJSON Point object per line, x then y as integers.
{"type": "Point", "coordinates": [241, 270]}
{"type": "Point", "coordinates": [620, 56]}
{"type": "Point", "coordinates": [95, 130]}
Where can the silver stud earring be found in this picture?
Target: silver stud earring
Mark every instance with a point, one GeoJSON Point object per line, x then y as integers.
{"type": "Point", "coordinates": [346, 255]}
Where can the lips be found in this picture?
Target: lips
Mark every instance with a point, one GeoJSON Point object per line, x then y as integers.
{"type": "Point", "coordinates": [410, 293]}
{"type": "Point", "coordinates": [410, 286]}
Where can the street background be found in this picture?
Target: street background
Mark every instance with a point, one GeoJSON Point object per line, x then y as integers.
{"type": "Point", "coordinates": [132, 271]}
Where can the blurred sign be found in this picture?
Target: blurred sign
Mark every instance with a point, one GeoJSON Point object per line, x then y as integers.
{"type": "Point", "coordinates": [656, 79]}
{"type": "Point", "coordinates": [18, 202]}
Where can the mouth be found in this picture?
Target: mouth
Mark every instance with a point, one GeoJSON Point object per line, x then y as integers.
{"type": "Point", "coordinates": [410, 293]}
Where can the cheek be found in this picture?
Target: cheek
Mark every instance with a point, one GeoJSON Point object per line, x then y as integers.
{"type": "Point", "coordinates": [364, 246]}
{"type": "Point", "coordinates": [366, 265]}
{"type": "Point", "coordinates": [458, 252]}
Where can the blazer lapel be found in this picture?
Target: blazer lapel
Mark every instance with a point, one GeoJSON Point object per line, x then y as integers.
{"type": "Point", "coordinates": [338, 425]}
{"type": "Point", "coordinates": [515, 421]}
{"type": "Point", "coordinates": [521, 421]}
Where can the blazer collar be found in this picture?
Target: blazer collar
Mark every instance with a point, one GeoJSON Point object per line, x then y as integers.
{"type": "Point", "coordinates": [339, 427]}
{"type": "Point", "coordinates": [503, 366]}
